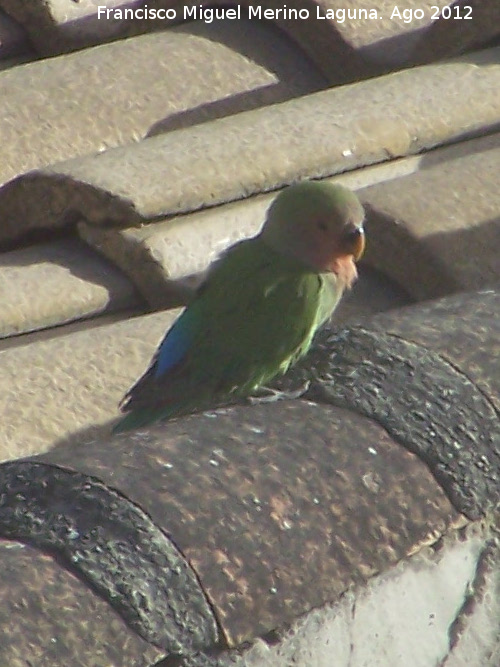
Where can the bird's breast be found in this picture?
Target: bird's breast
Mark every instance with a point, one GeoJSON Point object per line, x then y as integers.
{"type": "Point", "coordinates": [345, 270]}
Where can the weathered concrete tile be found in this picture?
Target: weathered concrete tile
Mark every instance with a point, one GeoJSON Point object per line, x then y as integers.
{"type": "Point", "coordinates": [365, 37]}
{"type": "Point", "coordinates": [320, 134]}
{"type": "Point", "coordinates": [262, 481]}
{"type": "Point", "coordinates": [372, 293]}
{"type": "Point", "coordinates": [435, 587]}
{"type": "Point", "coordinates": [466, 24]}
{"type": "Point", "coordinates": [464, 329]}
{"type": "Point", "coordinates": [400, 617]}
{"type": "Point", "coordinates": [56, 25]}
{"type": "Point", "coordinates": [266, 523]}
{"type": "Point", "coordinates": [266, 68]}
{"type": "Point", "coordinates": [475, 637]}
{"type": "Point", "coordinates": [7, 63]}
{"type": "Point", "coordinates": [349, 42]}
{"type": "Point", "coordinates": [110, 95]}
{"type": "Point", "coordinates": [455, 429]}
{"type": "Point", "coordinates": [438, 404]}
{"type": "Point", "coordinates": [55, 387]}
{"type": "Point", "coordinates": [438, 231]}
{"type": "Point", "coordinates": [64, 330]}
{"type": "Point", "coordinates": [57, 620]}
{"type": "Point", "coordinates": [362, 37]}
{"type": "Point", "coordinates": [167, 259]}
{"type": "Point", "coordinates": [113, 546]}
{"type": "Point", "coordinates": [47, 285]}
{"type": "Point", "coordinates": [13, 39]}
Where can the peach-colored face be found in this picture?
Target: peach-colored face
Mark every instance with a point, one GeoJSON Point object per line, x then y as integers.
{"type": "Point", "coordinates": [322, 243]}
{"type": "Point", "coordinates": [318, 223]}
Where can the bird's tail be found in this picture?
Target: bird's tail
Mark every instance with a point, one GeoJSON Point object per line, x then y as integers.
{"type": "Point", "coordinates": [141, 417]}
{"type": "Point", "coordinates": [144, 416]}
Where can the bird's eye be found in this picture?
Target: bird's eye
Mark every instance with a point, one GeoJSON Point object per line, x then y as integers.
{"type": "Point", "coordinates": [354, 234]}
{"type": "Point", "coordinates": [322, 225]}
{"type": "Point", "coordinates": [354, 242]}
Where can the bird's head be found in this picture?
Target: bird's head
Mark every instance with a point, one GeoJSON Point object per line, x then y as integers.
{"type": "Point", "coordinates": [320, 224]}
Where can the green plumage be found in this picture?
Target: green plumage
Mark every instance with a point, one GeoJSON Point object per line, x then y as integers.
{"type": "Point", "coordinates": [257, 311]}
{"type": "Point", "coordinates": [245, 333]}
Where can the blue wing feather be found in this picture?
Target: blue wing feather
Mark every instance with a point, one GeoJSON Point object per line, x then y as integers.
{"type": "Point", "coordinates": [176, 344]}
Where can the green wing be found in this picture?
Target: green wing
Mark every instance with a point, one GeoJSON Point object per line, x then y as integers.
{"type": "Point", "coordinates": [256, 314]}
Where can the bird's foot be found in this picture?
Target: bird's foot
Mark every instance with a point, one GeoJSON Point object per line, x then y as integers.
{"type": "Point", "coordinates": [269, 395]}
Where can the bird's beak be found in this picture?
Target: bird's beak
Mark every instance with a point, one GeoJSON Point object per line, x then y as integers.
{"type": "Point", "coordinates": [359, 244]}
{"type": "Point", "coordinates": [354, 242]}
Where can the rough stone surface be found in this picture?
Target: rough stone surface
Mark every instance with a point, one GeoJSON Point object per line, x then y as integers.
{"type": "Point", "coordinates": [471, 24]}
{"type": "Point", "coordinates": [349, 47]}
{"type": "Point", "coordinates": [438, 231]}
{"type": "Point", "coordinates": [57, 25]}
{"type": "Point", "coordinates": [421, 599]}
{"type": "Point", "coordinates": [362, 44]}
{"type": "Point", "coordinates": [52, 389]}
{"type": "Point", "coordinates": [93, 100]}
{"type": "Point", "coordinates": [54, 333]}
{"type": "Point", "coordinates": [13, 39]}
{"type": "Point", "coordinates": [475, 636]}
{"type": "Point", "coordinates": [271, 527]}
{"type": "Point", "coordinates": [424, 402]}
{"type": "Point", "coordinates": [425, 381]}
{"type": "Point", "coordinates": [354, 47]}
{"type": "Point", "coordinates": [464, 329]}
{"type": "Point", "coordinates": [113, 546]}
{"type": "Point", "coordinates": [47, 285]}
{"type": "Point", "coordinates": [266, 68]}
{"type": "Point", "coordinates": [166, 260]}
{"type": "Point", "coordinates": [57, 620]}
{"type": "Point", "coordinates": [7, 63]}
{"type": "Point", "coordinates": [320, 134]}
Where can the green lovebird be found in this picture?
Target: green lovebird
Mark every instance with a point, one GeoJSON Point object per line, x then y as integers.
{"type": "Point", "coordinates": [258, 309]}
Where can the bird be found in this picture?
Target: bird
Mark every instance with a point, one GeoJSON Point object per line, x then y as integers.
{"type": "Point", "coordinates": [258, 309]}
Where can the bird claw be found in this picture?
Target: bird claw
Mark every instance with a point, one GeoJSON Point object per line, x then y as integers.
{"type": "Point", "coordinates": [270, 395]}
